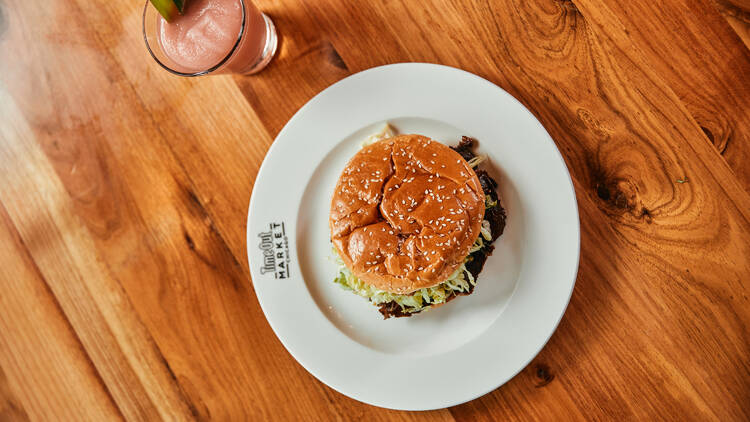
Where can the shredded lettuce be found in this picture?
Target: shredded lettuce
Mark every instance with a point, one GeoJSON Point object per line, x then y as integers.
{"type": "Point", "coordinates": [476, 160]}
{"type": "Point", "coordinates": [385, 132]}
{"type": "Point", "coordinates": [489, 202]}
{"type": "Point", "coordinates": [486, 230]}
{"type": "Point", "coordinates": [460, 281]}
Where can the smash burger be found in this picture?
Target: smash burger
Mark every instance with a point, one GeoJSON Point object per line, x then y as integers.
{"type": "Point", "coordinates": [413, 222]}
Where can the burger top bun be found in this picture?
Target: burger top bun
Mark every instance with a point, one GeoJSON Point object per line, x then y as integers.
{"type": "Point", "coordinates": [405, 212]}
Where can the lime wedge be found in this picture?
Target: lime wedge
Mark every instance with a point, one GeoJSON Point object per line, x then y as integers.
{"type": "Point", "coordinates": [168, 9]}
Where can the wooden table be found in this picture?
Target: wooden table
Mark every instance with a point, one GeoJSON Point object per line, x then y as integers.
{"type": "Point", "coordinates": [125, 290]}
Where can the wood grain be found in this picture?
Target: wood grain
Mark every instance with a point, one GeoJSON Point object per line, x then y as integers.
{"type": "Point", "coordinates": [701, 60]}
{"type": "Point", "coordinates": [11, 408]}
{"type": "Point", "coordinates": [42, 358]}
{"type": "Point", "coordinates": [89, 295]}
{"type": "Point", "coordinates": [737, 14]}
{"type": "Point", "coordinates": [124, 190]}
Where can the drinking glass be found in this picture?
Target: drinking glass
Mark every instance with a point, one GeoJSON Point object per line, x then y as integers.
{"type": "Point", "coordinates": [253, 46]}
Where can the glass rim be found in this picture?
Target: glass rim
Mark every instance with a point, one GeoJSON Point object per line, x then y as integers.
{"type": "Point", "coordinates": [202, 72]}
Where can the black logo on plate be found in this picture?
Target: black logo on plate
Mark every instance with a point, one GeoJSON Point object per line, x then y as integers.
{"type": "Point", "coordinates": [275, 246]}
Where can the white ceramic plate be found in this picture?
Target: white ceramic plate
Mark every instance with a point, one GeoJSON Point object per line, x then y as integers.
{"type": "Point", "coordinates": [451, 354]}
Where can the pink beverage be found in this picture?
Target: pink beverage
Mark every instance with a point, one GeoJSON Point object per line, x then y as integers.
{"type": "Point", "coordinates": [210, 37]}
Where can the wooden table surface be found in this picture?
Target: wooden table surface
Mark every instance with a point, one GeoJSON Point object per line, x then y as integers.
{"type": "Point", "coordinates": [124, 284]}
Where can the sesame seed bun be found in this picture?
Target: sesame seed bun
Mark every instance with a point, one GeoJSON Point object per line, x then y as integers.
{"type": "Point", "coordinates": [405, 212]}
